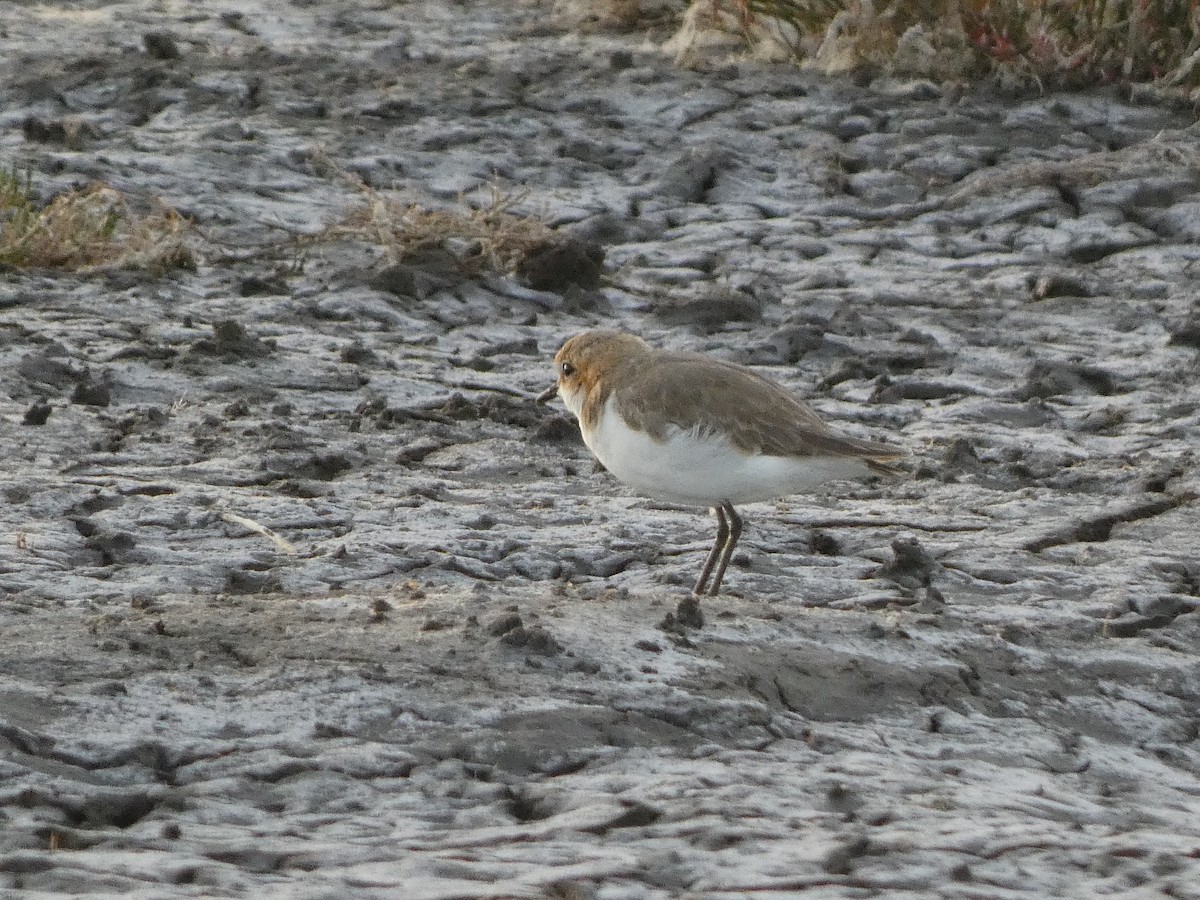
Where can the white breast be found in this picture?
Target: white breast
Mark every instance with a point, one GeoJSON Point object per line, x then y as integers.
{"type": "Point", "coordinates": [705, 469]}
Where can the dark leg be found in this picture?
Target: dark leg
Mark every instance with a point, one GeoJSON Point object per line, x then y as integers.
{"type": "Point", "coordinates": [735, 532]}
{"type": "Point", "coordinates": [718, 546]}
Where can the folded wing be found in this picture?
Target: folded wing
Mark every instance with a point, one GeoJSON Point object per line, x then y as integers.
{"type": "Point", "coordinates": [755, 413]}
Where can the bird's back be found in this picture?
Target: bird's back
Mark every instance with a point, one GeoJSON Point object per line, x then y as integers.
{"type": "Point", "coordinates": [755, 414]}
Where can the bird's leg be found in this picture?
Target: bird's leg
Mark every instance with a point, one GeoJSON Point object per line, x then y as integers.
{"type": "Point", "coordinates": [718, 545]}
{"type": "Point", "coordinates": [734, 532]}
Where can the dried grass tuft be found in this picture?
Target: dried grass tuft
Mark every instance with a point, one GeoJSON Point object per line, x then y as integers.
{"type": "Point", "coordinates": [1067, 42]}
{"type": "Point", "coordinates": [89, 230]}
{"type": "Point", "coordinates": [489, 238]}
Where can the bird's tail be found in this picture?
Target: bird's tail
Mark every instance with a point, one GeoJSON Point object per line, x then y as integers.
{"type": "Point", "coordinates": [882, 459]}
{"type": "Point", "coordinates": [888, 466]}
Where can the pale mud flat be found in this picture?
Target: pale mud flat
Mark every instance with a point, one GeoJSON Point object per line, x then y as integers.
{"type": "Point", "coordinates": [979, 681]}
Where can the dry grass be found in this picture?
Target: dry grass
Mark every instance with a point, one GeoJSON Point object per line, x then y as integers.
{"type": "Point", "coordinates": [490, 238]}
{"type": "Point", "coordinates": [89, 230]}
{"type": "Point", "coordinates": [1071, 42]}
{"type": "Point", "coordinates": [1112, 40]}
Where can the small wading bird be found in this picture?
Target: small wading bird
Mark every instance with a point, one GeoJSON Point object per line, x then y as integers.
{"type": "Point", "coordinates": [687, 429]}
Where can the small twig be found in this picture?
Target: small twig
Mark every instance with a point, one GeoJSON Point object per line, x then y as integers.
{"type": "Point", "coordinates": [258, 528]}
{"type": "Point", "coordinates": [492, 388]}
{"type": "Point", "coordinates": [885, 523]}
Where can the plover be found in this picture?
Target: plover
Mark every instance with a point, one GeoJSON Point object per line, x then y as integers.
{"type": "Point", "coordinates": [697, 431]}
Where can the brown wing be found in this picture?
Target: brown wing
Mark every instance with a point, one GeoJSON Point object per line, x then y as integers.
{"type": "Point", "coordinates": [757, 414]}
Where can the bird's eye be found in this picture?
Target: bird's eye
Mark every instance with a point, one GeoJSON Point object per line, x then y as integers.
{"type": "Point", "coordinates": [567, 369]}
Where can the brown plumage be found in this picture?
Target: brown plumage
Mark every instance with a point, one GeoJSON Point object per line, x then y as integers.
{"type": "Point", "coordinates": [656, 389]}
{"type": "Point", "coordinates": [687, 428]}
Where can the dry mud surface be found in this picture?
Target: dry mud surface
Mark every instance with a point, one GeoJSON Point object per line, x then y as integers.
{"type": "Point", "coordinates": [978, 681]}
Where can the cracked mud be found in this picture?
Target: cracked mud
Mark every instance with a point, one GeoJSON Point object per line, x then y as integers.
{"type": "Point", "coordinates": [302, 595]}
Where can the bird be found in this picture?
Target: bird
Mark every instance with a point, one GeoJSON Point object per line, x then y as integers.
{"type": "Point", "coordinates": [693, 430]}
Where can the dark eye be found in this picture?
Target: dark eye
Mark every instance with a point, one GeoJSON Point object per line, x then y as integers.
{"type": "Point", "coordinates": [567, 369]}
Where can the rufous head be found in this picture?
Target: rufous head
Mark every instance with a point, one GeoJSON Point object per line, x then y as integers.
{"type": "Point", "coordinates": [586, 366]}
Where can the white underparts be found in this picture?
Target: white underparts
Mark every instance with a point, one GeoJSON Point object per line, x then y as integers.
{"type": "Point", "coordinates": [697, 468]}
